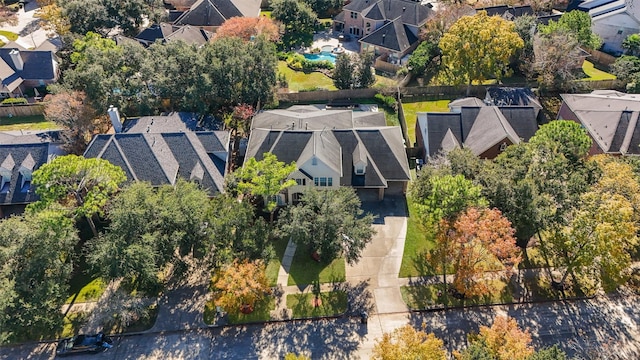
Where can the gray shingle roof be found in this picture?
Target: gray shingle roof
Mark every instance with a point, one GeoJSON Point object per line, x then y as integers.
{"type": "Point", "coordinates": [411, 12]}
{"type": "Point", "coordinates": [394, 36]}
{"type": "Point", "coordinates": [308, 118]}
{"type": "Point", "coordinates": [610, 117]}
{"type": "Point", "coordinates": [38, 65]}
{"type": "Point", "coordinates": [160, 158]}
{"type": "Point", "coordinates": [173, 122]}
{"type": "Point", "coordinates": [13, 158]}
{"type": "Point", "coordinates": [215, 12]}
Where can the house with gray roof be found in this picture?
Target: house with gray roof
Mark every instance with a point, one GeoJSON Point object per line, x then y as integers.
{"type": "Point", "coordinates": [611, 118]}
{"type": "Point", "coordinates": [20, 156]}
{"type": "Point", "coordinates": [165, 32]}
{"type": "Point", "coordinates": [613, 21]}
{"type": "Point", "coordinates": [210, 14]}
{"type": "Point", "coordinates": [486, 130]}
{"type": "Point", "coordinates": [332, 148]}
{"type": "Point", "coordinates": [388, 28]}
{"type": "Point", "coordinates": [21, 70]}
{"type": "Point", "coordinates": [161, 149]}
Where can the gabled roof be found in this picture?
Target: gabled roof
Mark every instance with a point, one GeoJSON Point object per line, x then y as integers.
{"type": "Point", "coordinates": [173, 122]}
{"type": "Point", "coordinates": [38, 65]}
{"type": "Point", "coordinates": [160, 158]}
{"type": "Point", "coordinates": [155, 32]}
{"type": "Point", "coordinates": [14, 45]}
{"type": "Point", "coordinates": [411, 12]}
{"type": "Point", "coordinates": [394, 36]}
{"type": "Point", "coordinates": [17, 161]}
{"type": "Point", "coordinates": [216, 12]}
{"type": "Point", "coordinates": [603, 8]}
{"type": "Point", "coordinates": [489, 129]}
{"type": "Point", "coordinates": [310, 118]}
{"type": "Point", "coordinates": [190, 35]}
{"type": "Point", "coordinates": [610, 117]}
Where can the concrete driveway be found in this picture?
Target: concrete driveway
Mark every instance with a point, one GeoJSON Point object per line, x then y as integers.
{"type": "Point", "coordinates": [28, 27]}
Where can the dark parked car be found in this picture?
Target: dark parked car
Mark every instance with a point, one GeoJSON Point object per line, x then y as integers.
{"type": "Point", "coordinates": [83, 344]}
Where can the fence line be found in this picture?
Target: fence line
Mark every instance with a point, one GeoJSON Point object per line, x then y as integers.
{"type": "Point", "coordinates": [21, 110]}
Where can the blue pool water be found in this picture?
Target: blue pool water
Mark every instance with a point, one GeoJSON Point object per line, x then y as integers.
{"type": "Point", "coordinates": [321, 56]}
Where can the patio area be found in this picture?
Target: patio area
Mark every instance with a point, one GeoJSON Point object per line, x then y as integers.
{"type": "Point", "coordinates": [330, 38]}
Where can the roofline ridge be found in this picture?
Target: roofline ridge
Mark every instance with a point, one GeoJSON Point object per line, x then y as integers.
{"type": "Point", "coordinates": [124, 158]}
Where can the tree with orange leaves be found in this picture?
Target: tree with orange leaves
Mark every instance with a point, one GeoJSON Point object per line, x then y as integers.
{"type": "Point", "coordinates": [479, 240]}
{"type": "Point", "coordinates": [504, 340]}
{"type": "Point", "coordinates": [246, 28]}
{"type": "Point", "coordinates": [239, 285]}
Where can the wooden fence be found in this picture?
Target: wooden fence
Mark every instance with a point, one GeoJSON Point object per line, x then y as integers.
{"type": "Point", "coordinates": [600, 57]}
{"type": "Point", "coordinates": [21, 110]}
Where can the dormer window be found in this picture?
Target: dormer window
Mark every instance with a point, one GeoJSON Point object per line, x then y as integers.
{"type": "Point", "coordinates": [5, 182]}
{"type": "Point", "coordinates": [25, 185]}
{"type": "Point", "coordinates": [359, 169]}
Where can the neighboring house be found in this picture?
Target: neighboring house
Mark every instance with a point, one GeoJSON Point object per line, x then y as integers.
{"type": "Point", "coordinates": [514, 96]}
{"type": "Point", "coordinates": [210, 14]}
{"type": "Point", "coordinates": [21, 70]}
{"type": "Point", "coordinates": [613, 21]}
{"type": "Point", "coordinates": [164, 32]}
{"type": "Point", "coordinates": [161, 149]}
{"type": "Point", "coordinates": [388, 28]}
{"type": "Point", "coordinates": [20, 156]}
{"type": "Point", "coordinates": [486, 130]}
{"type": "Point", "coordinates": [332, 148]}
{"type": "Point", "coordinates": [508, 12]}
{"type": "Point", "coordinates": [610, 117]}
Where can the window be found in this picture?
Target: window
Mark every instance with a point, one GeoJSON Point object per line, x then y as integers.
{"type": "Point", "coordinates": [619, 32]}
{"type": "Point", "coordinates": [301, 182]}
{"type": "Point", "coordinates": [323, 181]}
{"type": "Point", "coordinates": [329, 181]}
{"type": "Point", "coordinates": [314, 161]}
{"type": "Point", "coordinates": [316, 181]}
{"type": "Point", "coordinates": [354, 15]}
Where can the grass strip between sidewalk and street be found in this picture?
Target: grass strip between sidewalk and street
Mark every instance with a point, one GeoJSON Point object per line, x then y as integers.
{"type": "Point", "coordinates": [331, 303]}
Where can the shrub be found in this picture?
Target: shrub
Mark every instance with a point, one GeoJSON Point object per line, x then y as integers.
{"type": "Point", "coordinates": [300, 63]}
{"type": "Point", "coordinates": [12, 101]}
{"type": "Point", "coordinates": [283, 56]}
{"type": "Point", "coordinates": [388, 102]}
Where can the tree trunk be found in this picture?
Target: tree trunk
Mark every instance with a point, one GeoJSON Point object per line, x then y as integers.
{"type": "Point", "coordinates": [469, 88]}
{"type": "Point", "coordinates": [92, 225]}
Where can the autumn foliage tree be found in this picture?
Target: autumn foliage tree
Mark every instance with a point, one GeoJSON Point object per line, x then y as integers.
{"type": "Point", "coordinates": [504, 340]}
{"type": "Point", "coordinates": [72, 111]}
{"type": "Point", "coordinates": [408, 343]}
{"type": "Point", "coordinates": [479, 240]}
{"type": "Point", "coordinates": [247, 28]}
{"type": "Point", "coordinates": [240, 285]}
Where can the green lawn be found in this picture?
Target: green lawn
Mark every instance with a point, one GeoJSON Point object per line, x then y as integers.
{"type": "Point", "coordinates": [273, 267]}
{"type": "Point", "coordinates": [72, 323]}
{"type": "Point", "coordinates": [333, 303]}
{"type": "Point", "coordinates": [89, 292]}
{"type": "Point", "coordinates": [266, 13]}
{"type": "Point", "coordinates": [418, 241]}
{"type": "Point", "coordinates": [595, 74]}
{"type": "Point", "coordinates": [33, 122]}
{"type": "Point", "coordinates": [299, 80]}
{"type": "Point", "coordinates": [261, 312]}
{"type": "Point", "coordinates": [412, 108]}
{"type": "Point", "coordinates": [305, 270]}
{"type": "Point", "coordinates": [9, 35]}
{"type": "Point", "coordinates": [426, 296]}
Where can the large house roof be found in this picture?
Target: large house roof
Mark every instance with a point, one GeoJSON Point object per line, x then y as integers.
{"type": "Point", "coordinates": [17, 162]}
{"type": "Point", "coordinates": [160, 158]}
{"type": "Point", "coordinates": [610, 117]}
{"type": "Point", "coordinates": [311, 118]}
{"type": "Point", "coordinates": [37, 65]}
{"type": "Point", "coordinates": [603, 8]}
{"type": "Point", "coordinates": [216, 12]}
{"type": "Point", "coordinates": [394, 36]}
{"type": "Point", "coordinates": [410, 12]}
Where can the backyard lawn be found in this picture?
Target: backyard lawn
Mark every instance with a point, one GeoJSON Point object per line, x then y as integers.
{"type": "Point", "coordinates": [33, 122]}
{"type": "Point", "coordinates": [305, 270]}
{"type": "Point", "coordinates": [299, 80]}
{"type": "Point", "coordinates": [595, 74]}
{"type": "Point", "coordinates": [412, 108]}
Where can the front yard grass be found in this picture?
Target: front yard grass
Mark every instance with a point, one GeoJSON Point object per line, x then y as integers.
{"type": "Point", "coordinates": [33, 122]}
{"type": "Point", "coordinates": [333, 303]}
{"type": "Point", "coordinates": [305, 270]}
{"type": "Point", "coordinates": [426, 296]}
{"type": "Point", "coordinates": [11, 36]}
{"type": "Point", "coordinates": [261, 312]}
{"type": "Point", "coordinates": [417, 242]}
{"type": "Point", "coordinates": [595, 74]}
{"type": "Point", "coordinates": [89, 292]}
{"type": "Point", "coordinates": [273, 267]}
{"type": "Point", "coordinates": [412, 108]}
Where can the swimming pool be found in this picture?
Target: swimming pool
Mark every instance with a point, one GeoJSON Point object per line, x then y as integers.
{"type": "Point", "coordinates": [323, 55]}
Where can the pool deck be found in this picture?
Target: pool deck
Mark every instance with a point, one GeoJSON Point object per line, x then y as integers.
{"type": "Point", "coordinates": [330, 38]}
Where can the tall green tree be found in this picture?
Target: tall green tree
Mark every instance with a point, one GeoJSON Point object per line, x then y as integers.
{"type": "Point", "coordinates": [36, 257]}
{"type": "Point", "coordinates": [365, 77]}
{"type": "Point", "coordinates": [632, 44]}
{"type": "Point", "coordinates": [81, 185]}
{"type": "Point", "coordinates": [343, 72]}
{"type": "Point", "coordinates": [627, 68]}
{"type": "Point", "coordinates": [102, 16]}
{"type": "Point", "coordinates": [298, 20]}
{"type": "Point", "coordinates": [578, 24]}
{"type": "Point", "coordinates": [265, 179]}
{"type": "Point", "coordinates": [330, 222]}
{"type": "Point", "coordinates": [479, 47]}
{"type": "Point", "coordinates": [424, 61]}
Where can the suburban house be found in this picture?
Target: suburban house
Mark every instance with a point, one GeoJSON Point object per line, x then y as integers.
{"type": "Point", "coordinates": [613, 21]}
{"type": "Point", "coordinates": [514, 96]}
{"type": "Point", "coordinates": [21, 70]}
{"type": "Point", "coordinates": [388, 28]}
{"type": "Point", "coordinates": [486, 130]}
{"type": "Point", "coordinates": [210, 14]}
{"type": "Point", "coordinates": [165, 32]}
{"type": "Point", "coordinates": [332, 148]}
{"type": "Point", "coordinates": [20, 156]}
{"type": "Point", "coordinates": [610, 117]}
{"type": "Point", "coordinates": [161, 149]}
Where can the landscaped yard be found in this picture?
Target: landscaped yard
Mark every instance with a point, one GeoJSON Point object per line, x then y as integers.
{"type": "Point", "coordinates": [426, 296]}
{"type": "Point", "coordinates": [273, 267]}
{"type": "Point", "coordinates": [412, 108]}
{"type": "Point", "coordinates": [261, 312]}
{"type": "Point", "coordinates": [299, 80]}
{"type": "Point", "coordinates": [332, 303]}
{"type": "Point", "coordinates": [33, 122]}
{"type": "Point", "coordinates": [305, 270]}
{"type": "Point", "coordinates": [595, 74]}
{"type": "Point", "coordinates": [418, 241]}
{"type": "Point", "coordinates": [9, 35]}
{"type": "Point", "coordinates": [89, 292]}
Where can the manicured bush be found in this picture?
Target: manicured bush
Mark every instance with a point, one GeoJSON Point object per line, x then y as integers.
{"type": "Point", "coordinates": [12, 101]}
{"type": "Point", "coordinates": [300, 63]}
{"type": "Point", "coordinates": [387, 101]}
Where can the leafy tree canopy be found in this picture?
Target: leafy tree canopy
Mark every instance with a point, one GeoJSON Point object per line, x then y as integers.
{"type": "Point", "coordinates": [240, 284]}
{"type": "Point", "coordinates": [578, 23]}
{"type": "Point", "coordinates": [407, 343]}
{"type": "Point", "coordinates": [299, 22]}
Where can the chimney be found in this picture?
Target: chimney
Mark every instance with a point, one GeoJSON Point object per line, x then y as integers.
{"type": "Point", "coordinates": [17, 59]}
{"type": "Point", "coordinates": [114, 115]}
